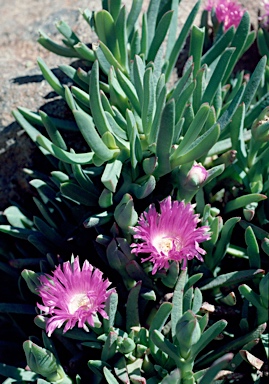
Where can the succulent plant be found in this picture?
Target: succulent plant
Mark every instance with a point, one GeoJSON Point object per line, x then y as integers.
{"type": "Point", "coordinates": [145, 141]}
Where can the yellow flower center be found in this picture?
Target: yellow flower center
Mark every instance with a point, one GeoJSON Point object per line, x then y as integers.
{"type": "Point", "coordinates": [166, 244]}
{"type": "Point", "coordinates": [79, 300]}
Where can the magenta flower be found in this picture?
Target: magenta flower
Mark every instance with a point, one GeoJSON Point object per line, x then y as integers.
{"type": "Point", "coordinates": [209, 5]}
{"type": "Point", "coordinates": [73, 295]}
{"type": "Point", "coordinates": [228, 12]}
{"type": "Point", "coordinates": [171, 234]}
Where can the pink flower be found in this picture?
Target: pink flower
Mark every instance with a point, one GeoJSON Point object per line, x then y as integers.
{"type": "Point", "coordinates": [171, 234]}
{"type": "Point", "coordinates": [209, 5]}
{"type": "Point", "coordinates": [73, 295]}
{"type": "Point", "coordinates": [228, 12]}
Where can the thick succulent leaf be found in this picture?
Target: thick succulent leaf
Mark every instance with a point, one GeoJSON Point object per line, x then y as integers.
{"type": "Point", "coordinates": [135, 46]}
{"type": "Point", "coordinates": [49, 232]}
{"type": "Point", "coordinates": [84, 52]}
{"type": "Point", "coordinates": [239, 40]}
{"type": "Point", "coordinates": [158, 323]}
{"type": "Point", "coordinates": [252, 249]}
{"type": "Point", "coordinates": [157, 117]}
{"type": "Point", "coordinates": [193, 131]}
{"type": "Point", "coordinates": [111, 175]}
{"type": "Point", "coordinates": [95, 101]}
{"type": "Point", "coordinates": [199, 147]}
{"type": "Point", "coordinates": [34, 118]}
{"type": "Point", "coordinates": [222, 243]}
{"type": "Point", "coordinates": [177, 310]}
{"type": "Point", "coordinates": [110, 57]}
{"type": "Point", "coordinates": [210, 334]}
{"type": "Point", "coordinates": [232, 278]}
{"type": "Point", "coordinates": [166, 346]}
{"type": "Point", "coordinates": [54, 47]}
{"type": "Point", "coordinates": [16, 218]}
{"type": "Point", "coordinates": [159, 35]}
{"type": "Point", "coordinates": [78, 194]}
{"type": "Point", "coordinates": [53, 132]}
{"type": "Point", "coordinates": [70, 37]}
{"type": "Point", "coordinates": [196, 46]}
{"type": "Point", "coordinates": [109, 376]}
{"type": "Point", "coordinates": [226, 117]}
{"type": "Point", "coordinates": [18, 374]}
{"type": "Point", "coordinates": [217, 76]}
{"type": "Point", "coordinates": [129, 90]}
{"type": "Point", "coordinates": [254, 83]}
{"type": "Point", "coordinates": [152, 14]}
{"type": "Point", "coordinates": [21, 233]}
{"type": "Point", "coordinates": [105, 29]}
{"type": "Point", "coordinates": [110, 346]}
{"type": "Point", "coordinates": [231, 346]}
{"type": "Point", "coordinates": [183, 99]}
{"type": "Point", "coordinates": [182, 83]}
{"type": "Point", "coordinates": [50, 77]}
{"type": "Point", "coordinates": [243, 201]}
{"type": "Point", "coordinates": [132, 308]}
{"type": "Point", "coordinates": [87, 128]}
{"type": "Point", "coordinates": [218, 47]}
{"type": "Point", "coordinates": [216, 367]}
{"type": "Point", "coordinates": [148, 106]}
{"type": "Point", "coordinates": [133, 15]}
{"type": "Point", "coordinates": [173, 28]}
{"type": "Point", "coordinates": [164, 139]}
{"type": "Point", "coordinates": [67, 157]}
{"type": "Point", "coordinates": [114, 7]}
{"type": "Point", "coordinates": [122, 37]}
{"type": "Point", "coordinates": [181, 40]}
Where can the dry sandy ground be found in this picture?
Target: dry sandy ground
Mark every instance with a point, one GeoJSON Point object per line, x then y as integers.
{"type": "Point", "coordinates": [21, 81]}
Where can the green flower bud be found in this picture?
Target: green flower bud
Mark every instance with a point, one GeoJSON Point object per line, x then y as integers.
{"type": "Point", "coordinates": [127, 345]}
{"type": "Point", "coordinates": [44, 363]}
{"type": "Point", "coordinates": [195, 177]}
{"type": "Point", "coordinates": [188, 180]}
{"type": "Point", "coordinates": [125, 214]}
{"type": "Point", "coordinates": [188, 333]}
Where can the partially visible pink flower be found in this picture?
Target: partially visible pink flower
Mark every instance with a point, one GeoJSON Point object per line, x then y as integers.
{"type": "Point", "coordinates": [228, 12]}
{"type": "Point", "coordinates": [169, 235]}
{"type": "Point", "coordinates": [209, 5]}
{"type": "Point", "coordinates": [73, 295]}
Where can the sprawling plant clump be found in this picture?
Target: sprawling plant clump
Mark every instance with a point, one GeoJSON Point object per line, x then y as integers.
{"type": "Point", "coordinates": [144, 257]}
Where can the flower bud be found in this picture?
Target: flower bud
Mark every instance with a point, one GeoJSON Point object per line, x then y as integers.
{"type": "Point", "coordinates": [44, 363]}
{"type": "Point", "coordinates": [188, 333]}
{"type": "Point", "coordinates": [195, 177]}
{"type": "Point", "coordinates": [125, 214]}
{"type": "Point", "coordinates": [126, 346]}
